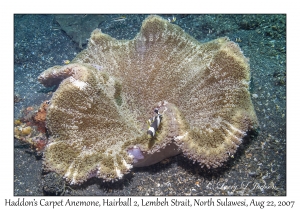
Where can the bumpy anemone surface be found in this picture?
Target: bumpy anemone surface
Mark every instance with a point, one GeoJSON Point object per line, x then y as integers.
{"type": "Point", "coordinates": [98, 116]}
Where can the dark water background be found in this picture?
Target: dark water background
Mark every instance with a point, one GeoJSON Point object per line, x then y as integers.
{"type": "Point", "coordinates": [259, 168]}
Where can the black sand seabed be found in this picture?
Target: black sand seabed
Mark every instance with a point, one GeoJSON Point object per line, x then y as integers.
{"type": "Point", "coordinates": [259, 168]}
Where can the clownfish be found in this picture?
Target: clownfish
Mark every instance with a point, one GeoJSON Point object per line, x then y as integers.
{"type": "Point", "coordinates": [154, 124]}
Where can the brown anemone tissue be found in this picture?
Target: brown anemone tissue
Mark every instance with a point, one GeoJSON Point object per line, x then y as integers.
{"type": "Point", "coordinates": [97, 118]}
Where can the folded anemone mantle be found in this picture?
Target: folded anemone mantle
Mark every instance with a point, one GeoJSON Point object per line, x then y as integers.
{"type": "Point", "coordinates": [97, 118]}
